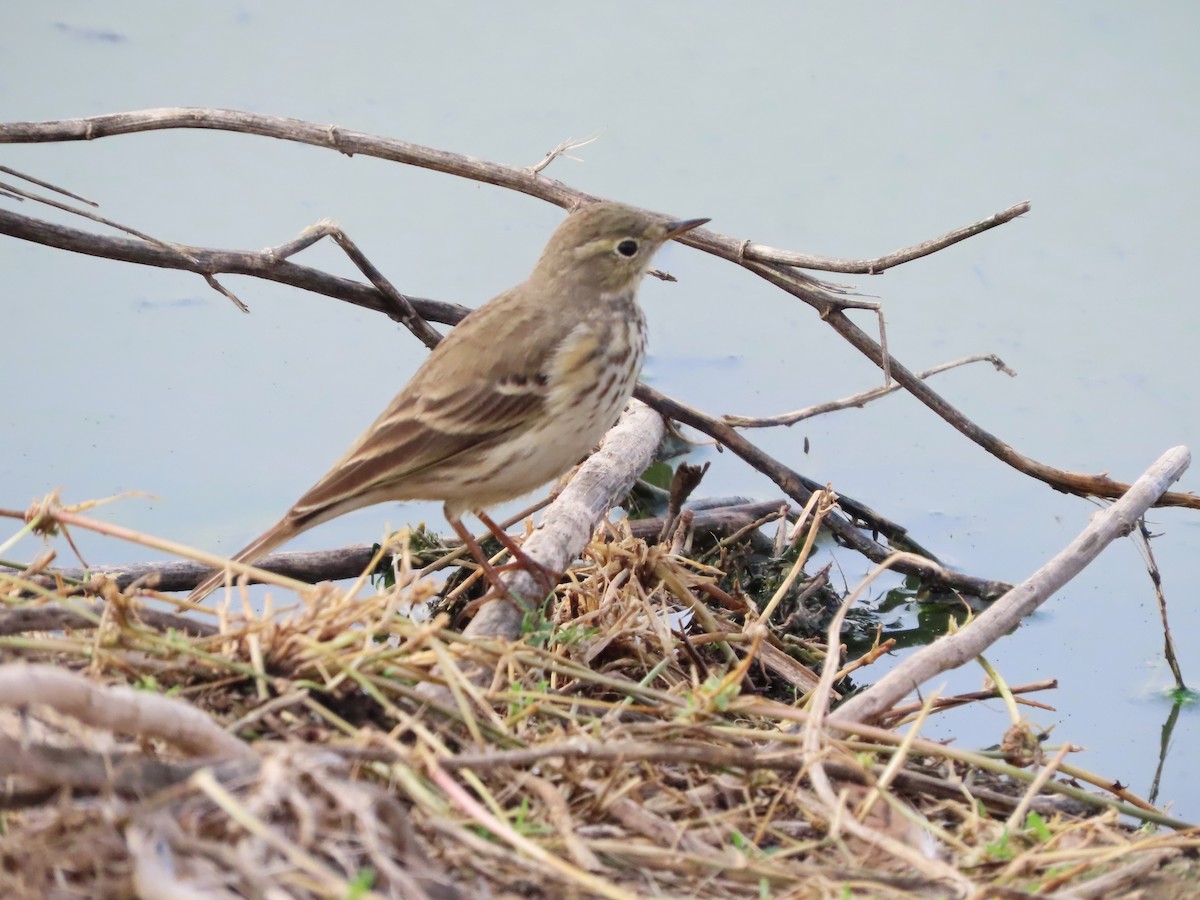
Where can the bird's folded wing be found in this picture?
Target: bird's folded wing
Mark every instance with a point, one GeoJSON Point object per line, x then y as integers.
{"type": "Point", "coordinates": [417, 435]}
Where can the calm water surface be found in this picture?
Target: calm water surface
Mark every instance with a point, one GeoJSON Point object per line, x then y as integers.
{"type": "Point", "coordinates": [834, 130]}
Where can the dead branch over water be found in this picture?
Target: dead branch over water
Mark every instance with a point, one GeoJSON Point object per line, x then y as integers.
{"type": "Point", "coordinates": [780, 267]}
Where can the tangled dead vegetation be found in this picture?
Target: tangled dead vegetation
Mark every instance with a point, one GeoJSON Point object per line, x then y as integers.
{"type": "Point", "coordinates": [639, 740]}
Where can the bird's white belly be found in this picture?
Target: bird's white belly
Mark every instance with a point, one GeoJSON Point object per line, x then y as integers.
{"type": "Point", "coordinates": [590, 379]}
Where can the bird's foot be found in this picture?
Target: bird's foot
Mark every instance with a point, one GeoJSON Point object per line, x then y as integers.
{"type": "Point", "coordinates": [545, 577]}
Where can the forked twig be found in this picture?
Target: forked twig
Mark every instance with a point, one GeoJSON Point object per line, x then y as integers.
{"type": "Point", "coordinates": [402, 309]}
{"type": "Point", "coordinates": [861, 399]}
{"type": "Point", "coordinates": [564, 150]}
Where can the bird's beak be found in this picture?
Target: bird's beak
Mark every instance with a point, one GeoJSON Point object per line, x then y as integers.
{"type": "Point", "coordinates": [675, 229]}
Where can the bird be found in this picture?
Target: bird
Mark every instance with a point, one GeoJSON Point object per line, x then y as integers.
{"type": "Point", "coordinates": [517, 393]}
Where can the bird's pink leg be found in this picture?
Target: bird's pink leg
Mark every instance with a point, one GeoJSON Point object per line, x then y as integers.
{"type": "Point", "coordinates": [490, 572]}
{"type": "Point", "coordinates": [546, 576]}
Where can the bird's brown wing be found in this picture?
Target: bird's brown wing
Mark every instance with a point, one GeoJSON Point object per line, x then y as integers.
{"type": "Point", "coordinates": [396, 455]}
{"type": "Point", "coordinates": [467, 396]}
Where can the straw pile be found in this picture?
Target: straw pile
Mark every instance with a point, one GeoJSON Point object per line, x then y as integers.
{"type": "Point", "coordinates": [641, 739]}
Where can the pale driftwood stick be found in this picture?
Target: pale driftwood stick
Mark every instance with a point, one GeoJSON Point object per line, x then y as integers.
{"type": "Point", "coordinates": [953, 650]}
{"type": "Point", "coordinates": [119, 709]}
{"type": "Point", "coordinates": [303, 565]}
{"type": "Point", "coordinates": [567, 525]}
{"type": "Point", "coordinates": [569, 522]}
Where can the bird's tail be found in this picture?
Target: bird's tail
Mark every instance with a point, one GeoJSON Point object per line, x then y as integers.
{"type": "Point", "coordinates": [282, 531]}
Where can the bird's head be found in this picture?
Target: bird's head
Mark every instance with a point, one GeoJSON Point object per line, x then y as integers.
{"type": "Point", "coordinates": [606, 246]}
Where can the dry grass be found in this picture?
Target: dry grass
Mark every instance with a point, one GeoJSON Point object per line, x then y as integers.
{"type": "Point", "coordinates": [636, 742]}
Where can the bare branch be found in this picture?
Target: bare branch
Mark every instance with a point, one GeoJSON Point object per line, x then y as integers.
{"type": "Point", "coordinates": [22, 619]}
{"type": "Point", "coordinates": [1060, 479]}
{"type": "Point", "coordinates": [351, 143]}
{"type": "Point", "coordinates": [209, 261]}
{"type": "Point", "coordinates": [38, 198]}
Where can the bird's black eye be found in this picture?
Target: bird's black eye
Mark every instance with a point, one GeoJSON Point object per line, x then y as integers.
{"type": "Point", "coordinates": [627, 247]}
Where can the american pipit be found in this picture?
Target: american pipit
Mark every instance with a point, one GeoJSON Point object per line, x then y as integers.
{"type": "Point", "coordinates": [521, 390]}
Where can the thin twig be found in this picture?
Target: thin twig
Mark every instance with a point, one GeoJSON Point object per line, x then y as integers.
{"type": "Point", "coordinates": [47, 185]}
{"type": "Point", "coordinates": [897, 714]}
{"type": "Point", "coordinates": [101, 220]}
{"type": "Point", "coordinates": [1159, 595]}
{"type": "Point", "coordinates": [205, 261]}
{"type": "Point", "coordinates": [861, 399]}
